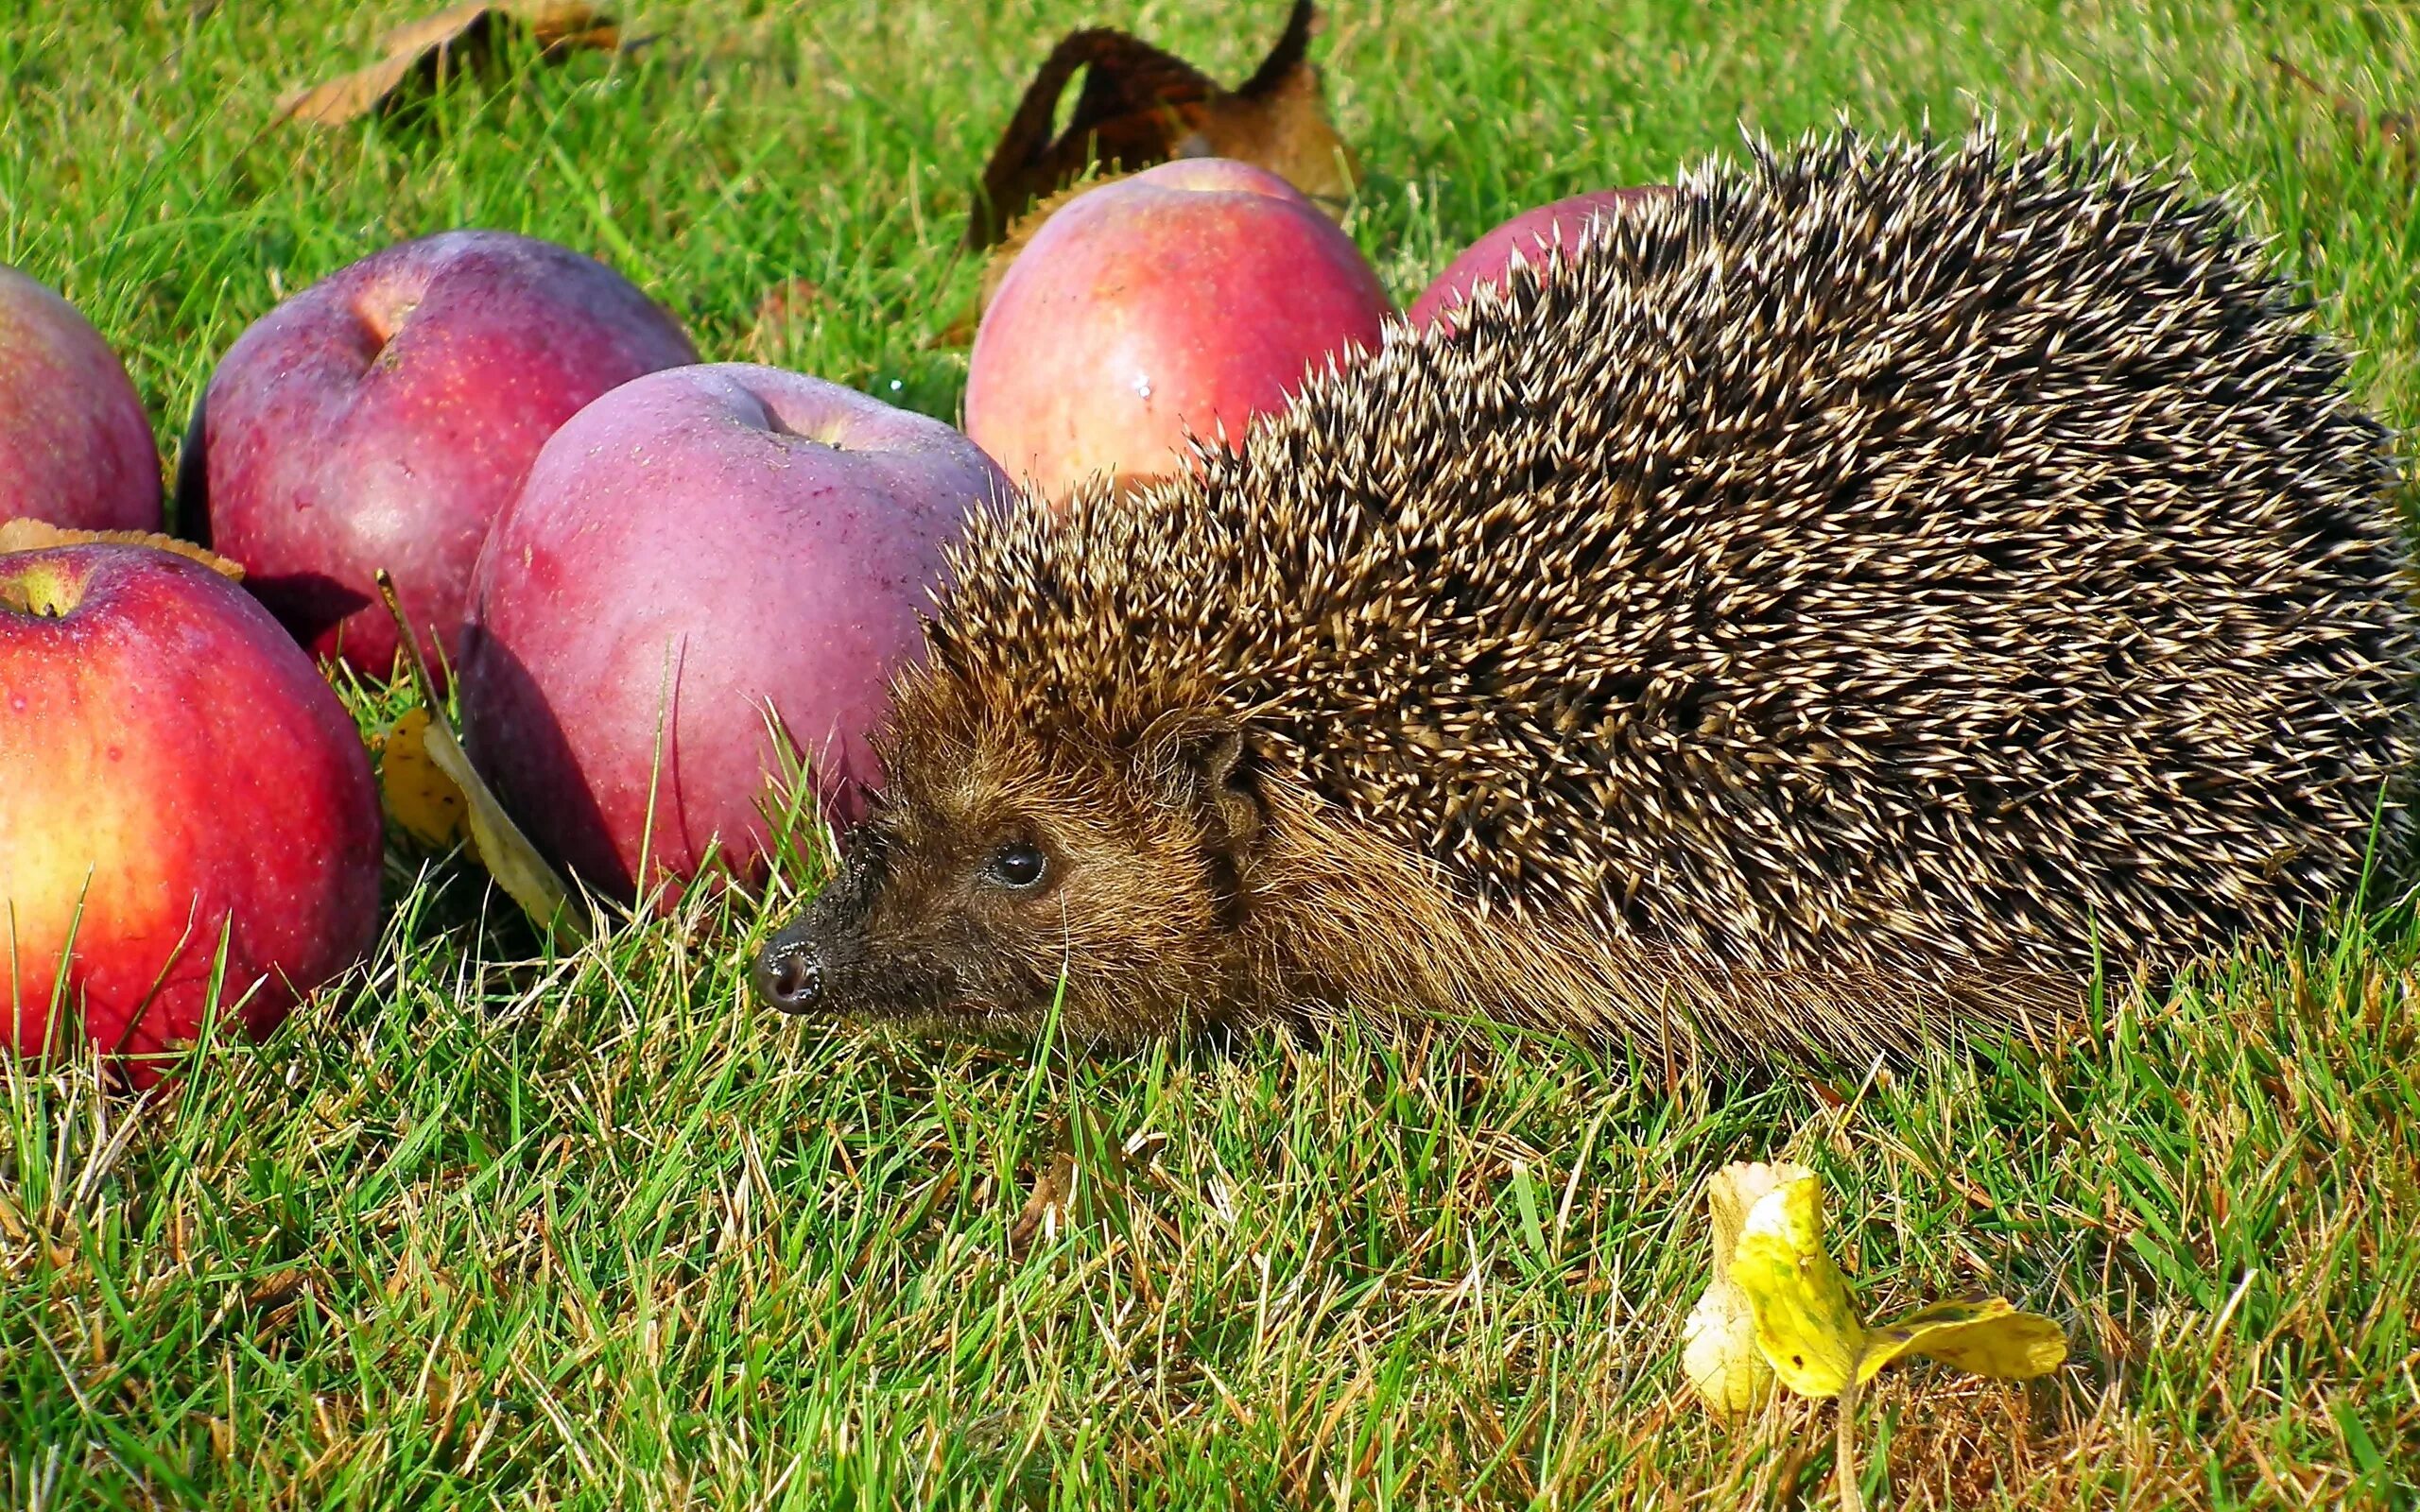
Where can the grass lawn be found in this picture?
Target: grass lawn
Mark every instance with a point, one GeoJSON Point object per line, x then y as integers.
{"type": "Point", "coordinates": [485, 1227]}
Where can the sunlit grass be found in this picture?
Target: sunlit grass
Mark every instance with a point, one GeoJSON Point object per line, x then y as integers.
{"type": "Point", "coordinates": [486, 1226]}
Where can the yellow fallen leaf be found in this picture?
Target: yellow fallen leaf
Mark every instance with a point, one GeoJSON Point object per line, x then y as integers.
{"type": "Point", "coordinates": [1806, 1327]}
{"type": "Point", "coordinates": [1772, 1266]}
{"type": "Point", "coordinates": [1985, 1338]}
{"type": "Point", "coordinates": [502, 848]}
{"type": "Point", "coordinates": [1805, 1324]}
{"type": "Point", "coordinates": [1719, 1350]}
{"type": "Point", "coordinates": [419, 797]}
{"type": "Point", "coordinates": [507, 853]}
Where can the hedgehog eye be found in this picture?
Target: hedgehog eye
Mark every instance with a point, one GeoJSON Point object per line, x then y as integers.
{"type": "Point", "coordinates": [1019, 865]}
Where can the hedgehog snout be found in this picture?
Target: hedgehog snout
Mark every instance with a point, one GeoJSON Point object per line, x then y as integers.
{"type": "Point", "coordinates": [814, 963]}
{"type": "Point", "coordinates": [790, 972]}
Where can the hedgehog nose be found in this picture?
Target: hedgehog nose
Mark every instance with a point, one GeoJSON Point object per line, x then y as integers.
{"type": "Point", "coordinates": [789, 974]}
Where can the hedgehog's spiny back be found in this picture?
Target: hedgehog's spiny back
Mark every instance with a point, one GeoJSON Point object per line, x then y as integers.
{"type": "Point", "coordinates": [1875, 560]}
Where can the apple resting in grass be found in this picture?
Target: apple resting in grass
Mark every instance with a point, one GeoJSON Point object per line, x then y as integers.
{"type": "Point", "coordinates": [382, 416]}
{"type": "Point", "coordinates": [1540, 238]}
{"type": "Point", "coordinates": [1190, 296]}
{"type": "Point", "coordinates": [691, 550]}
{"type": "Point", "coordinates": [76, 448]}
{"type": "Point", "coordinates": [173, 770]}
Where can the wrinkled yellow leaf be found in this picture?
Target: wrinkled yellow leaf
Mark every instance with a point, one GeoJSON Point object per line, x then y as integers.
{"type": "Point", "coordinates": [419, 797]}
{"type": "Point", "coordinates": [1777, 1300]}
{"type": "Point", "coordinates": [1986, 1338]}
{"type": "Point", "coordinates": [507, 853]}
{"type": "Point", "coordinates": [1805, 1323]}
{"type": "Point", "coordinates": [1719, 1350]}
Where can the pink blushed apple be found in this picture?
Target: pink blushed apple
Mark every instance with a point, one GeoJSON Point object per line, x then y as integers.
{"type": "Point", "coordinates": [383, 415]}
{"type": "Point", "coordinates": [1186, 299]}
{"type": "Point", "coordinates": [76, 448]}
{"type": "Point", "coordinates": [173, 772]}
{"type": "Point", "coordinates": [692, 552]}
{"type": "Point", "coordinates": [1539, 237]}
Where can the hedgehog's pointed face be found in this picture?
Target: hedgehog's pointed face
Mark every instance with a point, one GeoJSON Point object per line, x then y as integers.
{"type": "Point", "coordinates": [991, 869]}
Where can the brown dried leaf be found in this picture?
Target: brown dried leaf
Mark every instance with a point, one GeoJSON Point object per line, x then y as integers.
{"type": "Point", "coordinates": [1281, 124]}
{"type": "Point", "coordinates": [1115, 122]}
{"type": "Point", "coordinates": [458, 38]}
{"type": "Point", "coordinates": [40, 535]}
{"type": "Point", "coordinates": [1140, 106]}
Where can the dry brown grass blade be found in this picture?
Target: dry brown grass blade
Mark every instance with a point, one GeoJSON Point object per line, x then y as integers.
{"type": "Point", "coordinates": [1140, 106]}
{"type": "Point", "coordinates": [37, 535]}
{"type": "Point", "coordinates": [780, 312]}
{"type": "Point", "coordinates": [2397, 132]}
{"type": "Point", "coordinates": [1084, 1182]}
{"type": "Point", "coordinates": [457, 38]}
{"type": "Point", "coordinates": [1046, 1208]}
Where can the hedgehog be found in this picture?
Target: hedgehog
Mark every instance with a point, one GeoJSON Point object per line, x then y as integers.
{"type": "Point", "coordinates": [1862, 599]}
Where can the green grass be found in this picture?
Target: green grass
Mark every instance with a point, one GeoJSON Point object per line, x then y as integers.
{"type": "Point", "coordinates": [480, 1227]}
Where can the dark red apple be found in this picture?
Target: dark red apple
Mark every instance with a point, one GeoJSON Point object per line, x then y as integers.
{"type": "Point", "coordinates": [1188, 298]}
{"type": "Point", "coordinates": [1540, 238]}
{"type": "Point", "coordinates": [173, 773]}
{"type": "Point", "coordinates": [76, 448]}
{"type": "Point", "coordinates": [382, 416]}
{"type": "Point", "coordinates": [691, 550]}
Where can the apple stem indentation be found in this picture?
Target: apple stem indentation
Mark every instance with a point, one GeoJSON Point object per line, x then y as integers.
{"type": "Point", "coordinates": [383, 323]}
{"type": "Point", "coordinates": [40, 593]}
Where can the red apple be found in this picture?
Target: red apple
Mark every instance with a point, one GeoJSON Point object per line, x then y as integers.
{"type": "Point", "coordinates": [1188, 298]}
{"type": "Point", "coordinates": [1539, 237]}
{"type": "Point", "coordinates": [76, 448]}
{"type": "Point", "coordinates": [382, 416]}
{"type": "Point", "coordinates": [173, 772]}
{"type": "Point", "coordinates": [691, 550]}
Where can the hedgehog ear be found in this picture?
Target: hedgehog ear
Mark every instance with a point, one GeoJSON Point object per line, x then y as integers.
{"type": "Point", "coordinates": [1194, 761]}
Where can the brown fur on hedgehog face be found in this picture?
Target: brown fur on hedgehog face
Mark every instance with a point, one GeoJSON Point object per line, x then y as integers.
{"type": "Point", "coordinates": [988, 874]}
